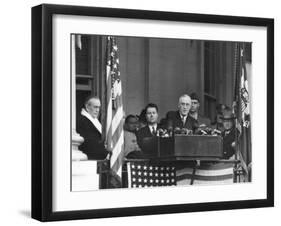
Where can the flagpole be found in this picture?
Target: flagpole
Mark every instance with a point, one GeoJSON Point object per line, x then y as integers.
{"type": "Point", "coordinates": [114, 110]}
{"type": "Point", "coordinates": [235, 107]}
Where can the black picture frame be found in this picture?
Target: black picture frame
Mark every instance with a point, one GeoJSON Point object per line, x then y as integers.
{"type": "Point", "coordinates": [42, 107]}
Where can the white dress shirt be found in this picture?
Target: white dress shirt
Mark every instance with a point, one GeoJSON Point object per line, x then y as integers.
{"type": "Point", "coordinates": [183, 119]}
{"type": "Point", "coordinates": [153, 129]}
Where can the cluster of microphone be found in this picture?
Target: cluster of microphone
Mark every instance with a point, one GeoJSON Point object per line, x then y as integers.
{"type": "Point", "coordinates": [164, 133]}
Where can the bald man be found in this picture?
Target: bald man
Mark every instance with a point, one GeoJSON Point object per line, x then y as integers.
{"type": "Point", "coordinates": [90, 129]}
{"type": "Point", "coordinates": [180, 118]}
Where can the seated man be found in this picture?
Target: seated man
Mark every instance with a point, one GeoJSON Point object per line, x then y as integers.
{"type": "Point", "coordinates": [142, 119]}
{"type": "Point", "coordinates": [194, 112]}
{"type": "Point", "coordinates": [90, 129]}
{"type": "Point", "coordinates": [131, 148]}
{"type": "Point", "coordinates": [229, 134]}
{"type": "Point", "coordinates": [146, 136]}
{"type": "Point", "coordinates": [181, 119]}
{"type": "Point", "coordinates": [217, 124]}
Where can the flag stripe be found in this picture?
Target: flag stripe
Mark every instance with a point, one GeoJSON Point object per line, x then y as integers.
{"type": "Point", "coordinates": [204, 178]}
{"type": "Point", "coordinates": [129, 175]}
{"type": "Point", "coordinates": [184, 171]}
{"type": "Point", "coordinates": [218, 173]}
{"type": "Point", "coordinates": [205, 172]}
{"type": "Point", "coordinates": [115, 159]}
{"type": "Point", "coordinates": [117, 133]}
{"type": "Point", "coordinates": [117, 149]}
{"type": "Point", "coordinates": [115, 137]}
{"type": "Point", "coordinates": [217, 182]}
{"type": "Point", "coordinates": [207, 166]}
{"type": "Point", "coordinates": [117, 119]}
{"type": "Point", "coordinates": [216, 166]}
{"type": "Point", "coordinates": [184, 182]}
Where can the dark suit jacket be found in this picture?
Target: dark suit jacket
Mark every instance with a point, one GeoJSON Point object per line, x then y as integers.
{"type": "Point", "coordinates": [93, 145]}
{"type": "Point", "coordinates": [147, 142]}
{"type": "Point", "coordinates": [173, 119]}
{"type": "Point", "coordinates": [228, 139]}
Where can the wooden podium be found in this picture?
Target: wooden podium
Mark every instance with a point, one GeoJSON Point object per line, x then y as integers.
{"type": "Point", "coordinates": [192, 159]}
{"type": "Point", "coordinates": [191, 146]}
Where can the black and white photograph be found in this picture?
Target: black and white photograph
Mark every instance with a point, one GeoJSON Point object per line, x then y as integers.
{"type": "Point", "coordinates": [150, 112]}
{"type": "Point", "coordinates": [118, 112]}
{"type": "Point", "coordinates": [144, 112]}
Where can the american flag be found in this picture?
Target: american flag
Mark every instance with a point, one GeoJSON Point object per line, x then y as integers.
{"type": "Point", "coordinates": [242, 108]}
{"type": "Point", "coordinates": [244, 92]}
{"type": "Point", "coordinates": [145, 174]}
{"type": "Point", "coordinates": [114, 110]}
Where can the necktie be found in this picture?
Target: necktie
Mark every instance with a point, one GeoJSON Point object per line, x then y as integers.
{"type": "Point", "coordinates": [153, 131]}
{"type": "Point", "coordinates": [183, 121]}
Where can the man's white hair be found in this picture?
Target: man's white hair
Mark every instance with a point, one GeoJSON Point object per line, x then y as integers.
{"type": "Point", "coordinates": [89, 98]}
{"type": "Point", "coordinates": [183, 96]}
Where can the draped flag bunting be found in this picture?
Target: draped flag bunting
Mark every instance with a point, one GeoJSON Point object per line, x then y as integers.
{"type": "Point", "coordinates": [206, 173]}
{"type": "Point", "coordinates": [114, 107]}
{"type": "Point", "coordinates": [149, 174]}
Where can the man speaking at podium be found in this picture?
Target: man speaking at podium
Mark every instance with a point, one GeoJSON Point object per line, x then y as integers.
{"type": "Point", "coordinates": [180, 119]}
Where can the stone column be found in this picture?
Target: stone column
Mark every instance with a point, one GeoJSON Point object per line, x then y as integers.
{"type": "Point", "coordinates": [84, 173]}
{"type": "Point", "coordinates": [77, 155]}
